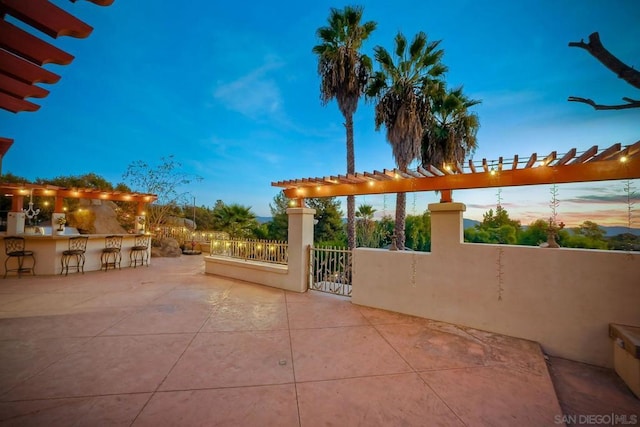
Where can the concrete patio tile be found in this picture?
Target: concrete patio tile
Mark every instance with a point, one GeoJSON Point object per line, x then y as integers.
{"type": "Point", "coordinates": [512, 352]}
{"type": "Point", "coordinates": [107, 365]}
{"type": "Point", "coordinates": [388, 400]}
{"type": "Point", "coordinates": [314, 296]}
{"type": "Point", "coordinates": [324, 314]}
{"type": "Point", "coordinates": [198, 280]}
{"type": "Point", "coordinates": [426, 348]}
{"type": "Point", "coordinates": [376, 316]}
{"type": "Point", "coordinates": [273, 405]}
{"type": "Point", "coordinates": [73, 323]}
{"type": "Point", "coordinates": [49, 302]}
{"type": "Point", "coordinates": [247, 317]}
{"type": "Point", "coordinates": [162, 319]}
{"type": "Point", "coordinates": [21, 359]}
{"type": "Point", "coordinates": [233, 359]}
{"type": "Point", "coordinates": [332, 353]}
{"type": "Point", "coordinates": [247, 293]}
{"type": "Point", "coordinates": [179, 295]}
{"type": "Point", "coordinates": [592, 390]}
{"type": "Point", "coordinates": [496, 395]}
{"type": "Point", "coordinates": [114, 410]}
{"type": "Point", "coordinates": [6, 299]}
{"type": "Point", "coordinates": [123, 298]}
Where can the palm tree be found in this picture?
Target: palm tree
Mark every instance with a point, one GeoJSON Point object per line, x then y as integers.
{"type": "Point", "coordinates": [235, 219]}
{"type": "Point", "coordinates": [450, 133]}
{"type": "Point", "coordinates": [344, 73]}
{"type": "Point", "coordinates": [365, 225]}
{"type": "Point", "coordinates": [402, 90]}
{"type": "Point", "coordinates": [365, 212]}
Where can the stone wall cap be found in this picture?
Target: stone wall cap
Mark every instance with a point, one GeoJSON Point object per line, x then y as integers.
{"type": "Point", "coordinates": [301, 210]}
{"type": "Point", "coordinates": [449, 206]}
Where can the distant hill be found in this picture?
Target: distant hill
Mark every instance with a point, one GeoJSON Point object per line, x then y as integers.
{"type": "Point", "coordinates": [614, 231]}
{"type": "Point", "coordinates": [469, 223]}
{"type": "Point", "coordinates": [263, 219]}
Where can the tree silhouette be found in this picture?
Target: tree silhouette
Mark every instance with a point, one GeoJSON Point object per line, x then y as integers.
{"type": "Point", "coordinates": [622, 70]}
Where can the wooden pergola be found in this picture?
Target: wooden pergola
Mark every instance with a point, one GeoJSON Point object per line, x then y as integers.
{"type": "Point", "coordinates": [613, 163]}
{"type": "Point", "coordinates": [19, 191]}
{"type": "Point", "coordinates": [23, 53]}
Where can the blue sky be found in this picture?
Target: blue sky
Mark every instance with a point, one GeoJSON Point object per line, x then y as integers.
{"type": "Point", "coordinates": [231, 90]}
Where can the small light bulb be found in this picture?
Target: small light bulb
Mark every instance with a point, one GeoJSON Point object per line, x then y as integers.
{"type": "Point", "coordinates": [623, 159]}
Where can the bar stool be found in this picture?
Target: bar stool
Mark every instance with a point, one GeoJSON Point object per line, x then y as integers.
{"type": "Point", "coordinates": [111, 255]}
{"type": "Point", "coordinates": [139, 251]}
{"type": "Point", "coordinates": [77, 248]}
{"type": "Point", "coordinates": [14, 247]}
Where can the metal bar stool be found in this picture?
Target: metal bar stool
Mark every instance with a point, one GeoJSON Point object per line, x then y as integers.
{"type": "Point", "coordinates": [111, 256]}
{"type": "Point", "coordinates": [14, 247]}
{"type": "Point", "coordinates": [77, 248]}
{"type": "Point", "coordinates": [139, 251]}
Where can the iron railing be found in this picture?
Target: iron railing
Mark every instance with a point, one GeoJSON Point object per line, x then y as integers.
{"type": "Point", "coordinates": [330, 270]}
{"type": "Point", "coordinates": [271, 251]}
{"type": "Point", "coordinates": [184, 235]}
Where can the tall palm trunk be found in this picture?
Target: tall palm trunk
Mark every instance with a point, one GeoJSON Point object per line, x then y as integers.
{"type": "Point", "coordinates": [351, 200]}
{"type": "Point", "coordinates": [401, 213]}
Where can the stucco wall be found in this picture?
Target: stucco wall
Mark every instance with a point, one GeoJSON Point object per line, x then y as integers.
{"type": "Point", "coordinates": [562, 298]}
{"type": "Point", "coordinates": [292, 277]}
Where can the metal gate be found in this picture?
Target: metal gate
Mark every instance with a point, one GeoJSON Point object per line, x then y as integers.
{"type": "Point", "coordinates": [330, 270]}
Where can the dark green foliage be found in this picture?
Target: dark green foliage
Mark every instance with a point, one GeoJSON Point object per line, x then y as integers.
{"type": "Point", "coordinates": [534, 234]}
{"type": "Point", "coordinates": [418, 232]}
{"type": "Point", "coordinates": [278, 227]}
{"type": "Point", "coordinates": [494, 228]}
{"type": "Point", "coordinates": [329, 216]}
{"type": "Point", "coordinates": [235, 219]}
{"type": "Point", "coordinates": [625, 242]}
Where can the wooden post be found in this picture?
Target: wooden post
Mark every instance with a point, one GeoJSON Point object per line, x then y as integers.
{"type": "Point", "coordinates": [445, 196]}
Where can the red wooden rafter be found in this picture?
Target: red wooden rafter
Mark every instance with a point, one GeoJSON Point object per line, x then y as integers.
{"type": "Point", "coordinates": [24, 52]}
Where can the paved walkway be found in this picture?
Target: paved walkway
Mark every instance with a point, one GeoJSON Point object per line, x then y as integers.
{"type": "Point", "coordinates": [167, 345]}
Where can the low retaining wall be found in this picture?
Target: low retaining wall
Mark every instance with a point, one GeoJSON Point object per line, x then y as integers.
{"type": "Point", "coordinates": [562, 298]}
{"type": "Point", "coordinates": [274, 275]}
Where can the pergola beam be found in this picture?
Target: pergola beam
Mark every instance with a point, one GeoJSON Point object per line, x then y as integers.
{"type": "Point", "coordinates": [603, 170]}
{"type": "Point", "coordinates": [74, 193]}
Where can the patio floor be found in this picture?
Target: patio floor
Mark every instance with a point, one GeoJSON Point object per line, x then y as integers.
{"type": "Point", "coordinates": [169, 345]}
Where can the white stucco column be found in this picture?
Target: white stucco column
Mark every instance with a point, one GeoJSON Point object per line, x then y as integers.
{"type": "Point", "coordinates": [447, 229]}
{"type": "Point", "coordinates": [300, 238]}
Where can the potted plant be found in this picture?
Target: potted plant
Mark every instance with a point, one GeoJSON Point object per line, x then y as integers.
{"type": "Point", "coordinates": [61, 221]}
{"type": "Point", "coordinates": [552, 233]}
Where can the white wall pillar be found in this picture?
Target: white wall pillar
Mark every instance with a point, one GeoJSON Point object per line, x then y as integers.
{"type": "Point", "coordinates": [447, 230]}
{"type": "Point", "coordinates": [300, 238]}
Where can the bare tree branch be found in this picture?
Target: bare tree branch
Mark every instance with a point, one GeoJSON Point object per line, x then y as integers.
{"type": "Point", "coordinates": [598, 51]}
{"type": "Point", "coordinates": [631, 103]}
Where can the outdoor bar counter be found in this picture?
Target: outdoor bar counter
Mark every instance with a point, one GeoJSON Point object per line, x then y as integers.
{"type": "Point", "coordinates": [48, 251]}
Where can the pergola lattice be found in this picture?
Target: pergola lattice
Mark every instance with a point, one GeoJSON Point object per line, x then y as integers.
{"type": "Point", "coordinates": [23, 53]}
{"type": "Point", "coordinates": [613, 163]}
{"type": "Point", "coordinates": [19, 191]}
